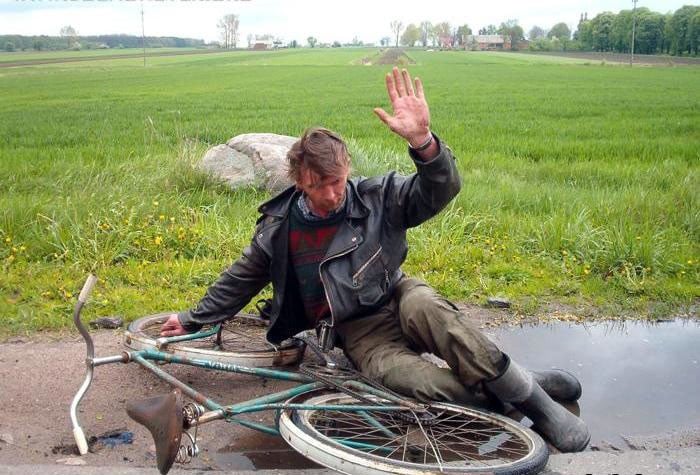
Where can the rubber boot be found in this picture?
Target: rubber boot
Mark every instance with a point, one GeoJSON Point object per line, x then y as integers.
{"type": "Point", "coordinates": [559, 384]}
{"type": "Point", "coordinates": [564, 430]}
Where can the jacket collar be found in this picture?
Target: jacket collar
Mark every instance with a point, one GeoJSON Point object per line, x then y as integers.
{"type": "Point", "coordinates": [279, 205]}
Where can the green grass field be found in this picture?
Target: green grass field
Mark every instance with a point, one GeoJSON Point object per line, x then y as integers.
{"type": "Point", "coordinates": [580, 181]}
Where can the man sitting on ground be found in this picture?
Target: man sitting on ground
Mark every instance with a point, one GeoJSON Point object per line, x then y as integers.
{"type": "Point", "coordinates": [333, 248]}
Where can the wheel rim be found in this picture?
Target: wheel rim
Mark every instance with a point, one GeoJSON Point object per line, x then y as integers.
{"type": "Point", "coordinates": [244, 343]}
{"type": "Point", "coordinates": [239, 335]}
{"type": "Point", "coordinates": [458, 440]}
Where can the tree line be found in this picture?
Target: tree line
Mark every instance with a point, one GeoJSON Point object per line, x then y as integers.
{"type": "Point", "coordinates": [675, 33]}
{"type": "Point", "coordinates": [70, 40]}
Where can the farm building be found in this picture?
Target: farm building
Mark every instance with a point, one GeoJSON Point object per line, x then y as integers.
{"type": "Point", "coordinates": [263, 42]}
{"type": "Point", "coordinates": [487, 42]}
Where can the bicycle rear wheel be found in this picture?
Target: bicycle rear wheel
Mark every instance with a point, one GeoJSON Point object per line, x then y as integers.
{"type": "Point", "coordinates": [243, 342]}
{"type": "Point", "coordinates": [457, 440]}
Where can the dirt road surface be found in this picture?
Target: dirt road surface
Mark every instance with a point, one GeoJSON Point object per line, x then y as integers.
{"type": "Point", "coordinates": [39, 377]}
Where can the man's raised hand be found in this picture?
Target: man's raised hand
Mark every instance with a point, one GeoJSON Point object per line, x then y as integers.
{"type": "Point", "coordinates": [411, 119]}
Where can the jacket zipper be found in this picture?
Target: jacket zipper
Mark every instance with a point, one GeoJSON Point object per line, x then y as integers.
{"type": "Point", "coordinates": [364, 266]}
{"type": "Point", "coordinates": [323, 282]}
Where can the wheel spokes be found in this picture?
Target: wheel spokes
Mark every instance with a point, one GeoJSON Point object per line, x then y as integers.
{"type": "Point", "coordinates": [453, 440]}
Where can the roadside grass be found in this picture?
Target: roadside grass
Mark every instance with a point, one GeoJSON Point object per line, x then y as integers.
{"type": "Point", "coordinates": [579, 181]}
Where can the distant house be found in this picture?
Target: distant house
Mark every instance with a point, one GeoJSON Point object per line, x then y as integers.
{"type": "Point", "coordinates": [263, 42]}
{"type": "Point", "coordinates": [487, 42]}
{"type": "Point", "coordinates": [446, 41]}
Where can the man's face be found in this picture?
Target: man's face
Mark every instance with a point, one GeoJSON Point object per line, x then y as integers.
{"type": "Point", "coordinates": [325, 193]}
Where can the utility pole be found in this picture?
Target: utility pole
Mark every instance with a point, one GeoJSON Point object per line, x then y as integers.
{"type": "Point", "coordinates": [143, 36]}
{"type": "Point", "coordinates": [634, 24]}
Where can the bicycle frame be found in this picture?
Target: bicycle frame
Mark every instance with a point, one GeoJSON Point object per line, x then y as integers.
{"type": "Point", "coordinates": [230, 413]}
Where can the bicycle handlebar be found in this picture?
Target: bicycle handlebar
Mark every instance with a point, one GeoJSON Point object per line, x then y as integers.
{"type": "Point", "coordinates": [78, 433]}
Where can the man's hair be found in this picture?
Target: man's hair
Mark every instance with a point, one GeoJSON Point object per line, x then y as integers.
{"type": "Point", "coordinates": [319, 150]}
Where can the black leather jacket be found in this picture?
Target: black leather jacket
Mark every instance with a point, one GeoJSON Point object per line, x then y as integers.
{"type": "Point", "coordinates": [362, 265]}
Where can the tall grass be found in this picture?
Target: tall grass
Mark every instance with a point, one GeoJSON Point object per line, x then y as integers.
{"type": "Point", "coordinates": [579, 181]}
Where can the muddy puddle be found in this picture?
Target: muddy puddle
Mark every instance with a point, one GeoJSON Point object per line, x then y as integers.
{"type": "Point", "coordinates": [260, 452]}
{"type": "Point", "coordinates": [638, 378]}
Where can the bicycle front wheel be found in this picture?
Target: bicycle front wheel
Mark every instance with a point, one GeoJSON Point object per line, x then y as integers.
{"type": "Point", "coordinates": [242, 342]}
{"type": "Point", "coordinates": [456, 440]}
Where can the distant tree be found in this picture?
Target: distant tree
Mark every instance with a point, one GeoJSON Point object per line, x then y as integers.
{"type": "Point", "coordinates": [293, 44]}
{"type": "Point", "coordinates": [425, 31]}
{"type": "Point", "coordinates": [39, 45]}
{"type": "Point", "coordinates": [584, 33]}
{"type": "Point", "coordinates": [561, 31]}
{"type": "Point", "coordinates": [601, 28]}
{"type": "Point", "coordinates": [356, 41]}
{"type": "Point", "coordinates": [489, 30]}
{"type": "Point", "coordinates": [228, 24]}
{"type": "Point", "coordinates": [695, 32]}
{"type": "Point", "coordinates": [461, 34]}
{"type": "Point", "coordinates": [385, 41]}
{"type": "Point", "coordinates": [396, 28]}
{"type": "Point", "coordinates": [512, 30]}
{"type": "Point", "coordinates": [311, 41]}
{"type": "Point", "coordinates": [682, 36]}
{"type": "Point", "coordinates": [668, 33]}
{"type": "Point", "coordinates": [649, 33]}
{"type": "Point", "coordinates": [621, 31]}
{"type": "Point", "coordinates": [336, 44]}
{"type": "Point", "coordinates": [442, 32]}
{"type": "Point", "coordinates": [411, 35]}
{"type": "Point", "coordinates": [250, 39]}
{"type": "Point", "coordinates": [9, 46]}
{"type": "Point", "coordinates": [536, 33]}
{"type": "Point", "coordinates": [71, 36]}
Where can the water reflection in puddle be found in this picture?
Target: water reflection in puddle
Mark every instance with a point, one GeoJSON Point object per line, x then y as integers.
{"type": "Point", "coordinates": [256, 451]}
{"type": "Point", "coordinates": [638, 378]}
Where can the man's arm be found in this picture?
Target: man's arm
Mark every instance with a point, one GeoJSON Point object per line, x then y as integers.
{"type": "Point", "coordinates": [234, 288]}
{"type": "Point", "coordinates": [414, 199]}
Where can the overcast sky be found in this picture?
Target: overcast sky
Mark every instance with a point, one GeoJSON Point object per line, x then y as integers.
{"type": "Point", "coordinates": [327, 20]}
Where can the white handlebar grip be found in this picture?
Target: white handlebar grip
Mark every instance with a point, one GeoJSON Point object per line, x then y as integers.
{"type": "Point", "coordinates": [79, 437]}
{"type": "Point", "coordinates": [87, 288]}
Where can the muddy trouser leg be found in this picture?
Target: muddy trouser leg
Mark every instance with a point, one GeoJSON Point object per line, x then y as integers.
{"type": "Point", "coordinates": [386, 347]}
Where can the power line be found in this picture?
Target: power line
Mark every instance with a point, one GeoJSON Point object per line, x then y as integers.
{"type": "Point", "coordinates": [634, 24]}
{"type": "Point", "coordinates": [143, 36]}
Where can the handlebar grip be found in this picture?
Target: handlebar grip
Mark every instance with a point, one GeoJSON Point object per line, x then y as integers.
{"type": "Point", "coordinates": [80, 439]}
{"type": "Point", "coordinates": [87, 288]}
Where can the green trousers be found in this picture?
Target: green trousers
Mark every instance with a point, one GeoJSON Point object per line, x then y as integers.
{"type": "Point", "coordinates": [386, 347]}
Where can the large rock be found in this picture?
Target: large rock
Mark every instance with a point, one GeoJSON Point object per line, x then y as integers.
{"type": "Point", "coordinates": [228, 165]}
{"type": "Point", "coordinates": [258, 160]}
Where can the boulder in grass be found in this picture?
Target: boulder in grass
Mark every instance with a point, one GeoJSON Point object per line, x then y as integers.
{"type": "Point", "coordinates": [258, 160]}
{"type": "Point", "coordinates": [228, 165]}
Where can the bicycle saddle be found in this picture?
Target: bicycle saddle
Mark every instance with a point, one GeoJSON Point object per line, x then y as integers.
{"type": "Point", "coordinates": [162, 416]}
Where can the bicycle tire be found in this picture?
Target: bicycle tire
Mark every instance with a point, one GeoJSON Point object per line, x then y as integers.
{"type": "Point", "coordinates": [491, 443]}
{"type": "Point", "coordinates": [243, 341]}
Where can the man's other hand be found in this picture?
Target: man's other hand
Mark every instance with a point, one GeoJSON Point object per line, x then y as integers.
{"type": "Point", "coordinates": [172, 327]}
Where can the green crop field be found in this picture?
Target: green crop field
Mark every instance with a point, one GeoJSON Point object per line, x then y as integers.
{"type": "Point", "coordinates": [580, 181]}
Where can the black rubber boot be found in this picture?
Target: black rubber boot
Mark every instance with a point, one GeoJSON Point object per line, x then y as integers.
{"type": "Point", "coordinates": [559, 384]}
{"type": "Point", "coordinates": [564, 430]}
